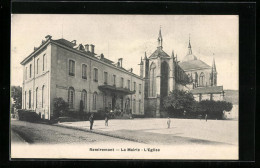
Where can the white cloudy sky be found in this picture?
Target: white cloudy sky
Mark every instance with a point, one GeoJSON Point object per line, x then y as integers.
{"type": "Point", "coordinates": [129, 36]}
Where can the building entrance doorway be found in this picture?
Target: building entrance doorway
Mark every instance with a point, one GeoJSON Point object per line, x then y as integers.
{"type": "Point", "coordinates": [113, 102]}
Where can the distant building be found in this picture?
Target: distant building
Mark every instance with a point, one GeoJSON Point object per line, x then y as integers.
{"type": "Point", "coordinates": [202, 77]}
{"type": "Point", "coordinates": [60, 68]}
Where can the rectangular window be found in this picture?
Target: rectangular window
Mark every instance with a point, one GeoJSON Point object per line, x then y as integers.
{"type": "Point", "coordinates": [122, 82]}
{"type": "Point", "coordinates": [128, 84]}
{"type": "Point", "coordinates": [95, 75]}
{"type": "Point", "coordinates": [43, 62]}
{"type": "Point", "coordinates": [25, 73]}
{"type": "Point", "coordinates": [134, 86]}
{"type": "Point", "coordinates": [30, 70]}
{"type": "Point", "coordinates": [140, 88]}
{"type": "Point", "coordinates": [84, 71]}
{"type": "Point", "coordinates": [71, 68]}
{"type": "Point", "coordinates": [37, 66]}
{"type": "Point", "coordinates": [114, 80]}
{"type": "Point", "coordinates": [105, 77]}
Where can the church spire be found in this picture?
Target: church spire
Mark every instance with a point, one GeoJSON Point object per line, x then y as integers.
{"type": "Point", "coordinates": [214, 65]}
{"type": "Point", "coordinates": [160, 39]}
{"type": "Point", "coordinates": [189, 47]}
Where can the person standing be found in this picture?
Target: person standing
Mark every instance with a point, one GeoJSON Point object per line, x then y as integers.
{"type": "Point", "coordinates": [106, 119]}
{"type": "Point", "coordinates": [91, 120]}
{"type": "Point", "coordinates": [206, 117]}
{"type": "Point", "coordinates": [169, 122]}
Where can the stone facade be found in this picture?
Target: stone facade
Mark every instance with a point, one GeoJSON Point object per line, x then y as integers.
{"type": "Point", "coordinates": [112, 86]}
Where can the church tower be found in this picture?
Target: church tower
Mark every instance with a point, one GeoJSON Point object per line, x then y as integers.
{"type": "Point", "coordinates": [146, 75]}
{"type": "Point", "coordinates": [213, 74]}
{"type": "Point", "coordinates": [141, 68]}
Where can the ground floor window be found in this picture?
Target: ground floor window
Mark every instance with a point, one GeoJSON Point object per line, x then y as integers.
{"type": "Point", "coordinates": [71, 96]}
{"type": "Point", "coordinates": [94, 101]}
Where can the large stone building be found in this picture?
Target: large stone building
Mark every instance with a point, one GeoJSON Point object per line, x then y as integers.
{"type": "Point", "coordinates": [60, 68]}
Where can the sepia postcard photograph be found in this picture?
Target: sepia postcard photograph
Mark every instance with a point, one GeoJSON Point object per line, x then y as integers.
{"type": "Point", "coordinates": [113, 86]}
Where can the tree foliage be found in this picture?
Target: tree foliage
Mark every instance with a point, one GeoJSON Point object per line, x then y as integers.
{"type": "Point", "coordinates": [60, 107]}
{"type": "Point", "coordinates": [16, 94]}
{"type": "Point", "coordinates": [179, 100]}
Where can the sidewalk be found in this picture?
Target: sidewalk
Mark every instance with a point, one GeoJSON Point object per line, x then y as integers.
{"type": "Point", "coordinates": [155, 131]}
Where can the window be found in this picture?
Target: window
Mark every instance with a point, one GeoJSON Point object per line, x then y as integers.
{"type": "Point", "coordinates": [202, 77]}
{"type": "Point", "coordinates": [114, 80]}
{"type": "Point", "coordinates": [95, 75]}
{"type": "Point", "coordinates": [43, 101]}
{"type": "Point", "coordinates": [71, 96]}
{"type": "Point", "coordinates": [30, 70]}
{"type": "Point", "coordinates": [25, 99]}
{"type": "Point", "coordinates": [134, 86]}
{"type": "Point", "coordinates": [37, 66]}
{"type": "Point", "coordinates": [140, 88]}
{"type": "Point", "coordinates": [94, 101]}
{"type": "Point", "coordinates": [134, 106]}
{"type": "Point", "coordinates": [105, 78]}
{"type": "Point", "coordinates": [71, 68]}
{"type": "Point", "coordinates": [152, 81]}
{"type": "Point", "coordinates": [84, 71]}
{"type": "Point", "coordinates": [25, 73]}
{"type": "Point", "coordinates": [122, 82]}
{"type": "Point", "coordinates": [84, 98]}
{"type": "Point", "coordinates": [36, 97]}
{"type": "Point", "coordinates": [139, 106]}
{"type": "Point", "coordinates": [105, 100]}
{"type": "Point", "coordinates": [128, 84]}
{"type": "Point", "coordinates": [43, 62]}
{"type": "Point", "coordinates": [30, 99]}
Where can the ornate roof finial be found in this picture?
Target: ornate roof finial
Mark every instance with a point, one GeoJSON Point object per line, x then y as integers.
{"type": "Point", "coordinates": [141, 63]}
{"type": "Point", "coordinates": [189, 47]}
{"type": "Point", "coordinates": [214, 65]}
{"type": "Point", "coordinates": [160, 39]}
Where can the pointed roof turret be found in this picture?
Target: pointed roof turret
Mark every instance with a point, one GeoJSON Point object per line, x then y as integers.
{"type": "Point", "coordinates": [214, 65]}
{"type": "Point", "coordinates": [145, 57]}
{"type": "Point", "coordinates": [189, 48]}
{"type": "Point", "coordinates": [160, 39]}
{"type": "Point", "coordinates": [141, 63]}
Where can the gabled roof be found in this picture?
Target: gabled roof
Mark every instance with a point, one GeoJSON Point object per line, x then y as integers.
{"type": "Point", "coordinates": [65, 42]}
{"type": "Point", "coordinates": [159, 53]}
{"type": "Point", "coordinates": [194, 64]}
{"type": "Point", "coordinates": [207, 90]}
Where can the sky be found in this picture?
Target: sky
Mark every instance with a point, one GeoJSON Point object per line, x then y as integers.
{"type": "Point", "coordinates": [130, 36]}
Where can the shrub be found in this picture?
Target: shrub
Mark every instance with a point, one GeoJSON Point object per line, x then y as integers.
{"type": "Point", "coordinates": [28, 115]}
{"type": "Point", "coordinates": [60, 107]}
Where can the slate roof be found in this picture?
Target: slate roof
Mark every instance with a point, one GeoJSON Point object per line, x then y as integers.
{"type": "Point", "coordinates": [65, 42]}
{"type": "Point", "coordinates": [207, 90]}
{"type": "Point", "coordinates": [159, 53]}
{"type": "Point", "coordinates": [194, 64]}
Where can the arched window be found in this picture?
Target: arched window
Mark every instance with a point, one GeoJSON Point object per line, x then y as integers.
{"type": "Point", "coordinates": [36, 97]}
{"type": "Point", "coordinates": [94, 101]}
{"type": "Point", "coordinates": [134, 106]}
{"type": "Point", "coordinates": [30, 99]}
{"type": "Point", "coordinates": [202, 79]}
{"type": "Point", "coordinates": [139, 106]}
{"type": "Point", "coordinates": [71, 97]}
{"type": "Point", "coordinates": [105, 100]}
{"type": "Point", "coordinates": [153, 80]}
{"type": "Point", "coordinates": [43, 99]}
{"type": "Point", "coordinates": [84, 98]}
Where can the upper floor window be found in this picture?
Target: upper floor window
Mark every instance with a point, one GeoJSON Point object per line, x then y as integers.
{"type": "Point", "coordinates": [128, 84]}
{"type": "Point", "coordinates": [105, 77]}
{"type": "Point", "coordinates": [25, 73]}
{"type": "Point", "coordinates": [43, 62]}
{"type": "Point", "coordinates": [140, 88]}
{"type": "Point", "coordinates": [114, 80]}
{"type": "Point", "coordinates": [30, 70]}
{"type": "Point", "coordinates": [95, 75]}
{"type": "Point", "coordinates": [84, 71]}
{"type": "Point", "coordinates": [37, 66]}
{"type": "Point", "coordinates": [71, 68]}
{"type": "Point", "coordinates": [122, 82]}
{"type": "Point", "coordinates": [134, 86]}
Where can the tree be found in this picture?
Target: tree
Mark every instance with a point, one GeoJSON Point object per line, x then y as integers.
{"type": "Point", "coordinates": [179, 101]}
{"type": "Point", "coordinates": [60, 107]}
{"type": "Point", "coordinates": [16, 94]}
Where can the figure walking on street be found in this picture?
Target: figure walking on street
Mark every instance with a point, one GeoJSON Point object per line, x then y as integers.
{"type": "Point", "coordinates": [169, 122]}
{"type": "Point", "coordinates": [91, 120]}
{"type": "Point", "coordinates": [106, 119]}
{"type": "Point", "coordinates": [206, 117]}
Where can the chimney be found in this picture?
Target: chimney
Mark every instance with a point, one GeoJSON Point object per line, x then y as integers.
{"type": "Point", "coordinates": [120, 61]}
{"type": "Point", "coordinates": [92, 48]}
{"type": "Point", "coordinates": [87, 47]}
{"type": "Point", "coordinates": [74, 41]}
{"type": "Point", "coordinates": [48, 37]}
{"type": "Point", "coordinates": [102, 56]}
